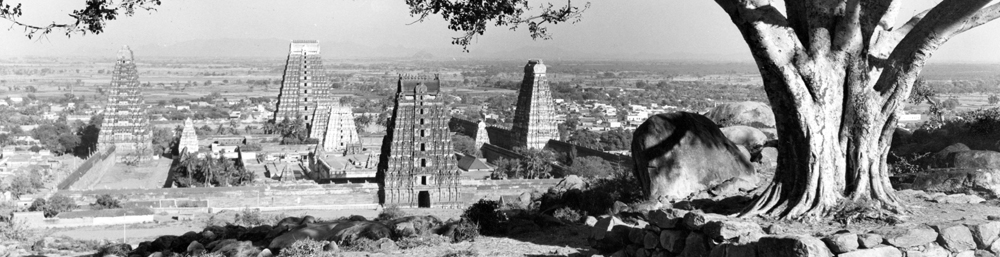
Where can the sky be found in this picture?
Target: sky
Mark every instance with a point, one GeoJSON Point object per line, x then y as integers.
{"type": "Point", "coordinates": [623, 29]}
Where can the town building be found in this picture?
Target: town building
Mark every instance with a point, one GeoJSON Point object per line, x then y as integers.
{"type": "Point", "coordinates": [534, 123]}
{"type": "Point", "coordinates": [126, 122]}
{"type": "Point", "coordinates": [417, 163]}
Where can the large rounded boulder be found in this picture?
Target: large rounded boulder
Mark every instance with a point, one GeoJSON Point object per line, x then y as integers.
{"type": "Point", "coordinates": [754, 114]}
{"type": "Point", "coordinates": [678, 154]}
{"type": "Point", "coordinates": [749, 137]}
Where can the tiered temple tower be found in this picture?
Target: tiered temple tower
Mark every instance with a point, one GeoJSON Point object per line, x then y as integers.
{"type": "Point", "coordinates": [340, 131]}
{"type": "Point", "coordinates": [189, 139]}
{"type": "Point", "coordinates": [126, 123]}
{"type": "Point", "coordinates": [482, 137]}
{"type": "Point", "coordinates": [304, 88]}
{"type": "Point", "coordinates": [417, 167]}
{"type": "Point", "coordinates": [534, 120]}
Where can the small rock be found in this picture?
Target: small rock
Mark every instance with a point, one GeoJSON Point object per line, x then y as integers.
{"type": "Point", "coordinates": [734, 250]}
{"type": "Point", "coordinates": [884, 251]}
{"type": "Point", "coordinates": [985, 234]}
{"type": "Point", "coordinates": [590, 221]}
{"type": "Point", "coordinates": [604, 225]}
{"type": "Point", "coordinates": [265, 253]}
{"type": "Point", "coordinates": [666, 218]}
{"type": "Point", "coordinates": [774, 229]}
{"type": "Point", "coordinates": [42, 244]}
{"type": "Point", "coordinates": [195, 248]}
{"type": "Point", "coordinates": [695, 220]}
{"type": "Point", "coordinates": [386, 245]}
{"type": "Point", "coordinates": [673, 240]}
{"type": "Point", "coordinates": [969, 253]}
{"type": "Point", "coordinates": [842, 242]}
{"type": "Point", "coordinates": [993, 217]}
{"type": "Point", "coordinates": [984, 253]}
{"type": "Point", "coordinates": [995, 247]}
{"type": "Point", "coordinates": [331, 247]}
{"type": "Point", "coordinates": [651, 240]}
{"type": "Point", "coordinates": [636, 236]}
{"type": "Point", "coordinates": [955, 238]}
{"type": "Point", "coordinates": [641, 252]}
{"type": "Point", "coordinates": [869, 240]}
{"type": "Point", "coordinates": [909, 237]}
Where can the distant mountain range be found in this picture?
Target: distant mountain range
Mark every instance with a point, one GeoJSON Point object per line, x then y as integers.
{"type": "Point", "coordinates": [230, 47]}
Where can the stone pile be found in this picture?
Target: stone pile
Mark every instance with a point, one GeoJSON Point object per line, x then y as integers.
{"type": "Point", "coordinates": [674, 232]}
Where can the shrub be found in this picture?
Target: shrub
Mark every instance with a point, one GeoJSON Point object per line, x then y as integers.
{"type": "Point", "coordinates": [306, 247]}
{"type": "Point", "coordinates": [465, 231]}
{"type": "Point", "coordinates": [14, 231]}
{"type": "Point", "coordinates": [53, 206]}
{"type": "Point", "coordinates": [567, 214]}
{"type": "Point", "coordinates": [106, 201]}
{"type": "Point", "coordinates": [253, 217]}
{"type": "Point", "coordinates": [461, 253]}
{"type": "Point", "coordinates": [391, 212]}
{"type": "Point", "coordinates": [425, 240]}
{"type": "Point", "coordinates": [485, 214]}
{"type": "Point", "coordinates": [361, 244]}
{"type": "Point", "coordinates": [114, 250]}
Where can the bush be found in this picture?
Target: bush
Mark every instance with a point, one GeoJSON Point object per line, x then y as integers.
{"type": "Point", "coordinates": [567, 214]}
{"type": "Point", "coordinates": [361, 244]}
{"type": "Point", "coordinates": [114, 250]}
{"type": "Point", "coordinates": [53, 206]}
{"type": "Point", "coordinates": [106, 201]}
{"type": "Point", "coordinates": [306, 247]}
{"type": "Point", "coordinates": [14, 231]}
{"type": "Point", "coordinates": [391, 212]}
{"type": "Point", "coordinates": [486, 215]}
{"type": "Point", "coordinates": [253, 217]}
{"type": "Point", "coordinates": [465, 231]}
{"type": "Point", "coordinates": [461, 253]}
{"type": "Point", "coordinates": [425, 240]}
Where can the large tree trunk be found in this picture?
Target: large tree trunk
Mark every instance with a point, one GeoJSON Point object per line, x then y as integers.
{"type": "Point", "coordinates": [835, 73]}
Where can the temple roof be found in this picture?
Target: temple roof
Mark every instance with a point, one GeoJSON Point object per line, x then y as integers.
{"type": "Point", "coordinates": [409, 84]}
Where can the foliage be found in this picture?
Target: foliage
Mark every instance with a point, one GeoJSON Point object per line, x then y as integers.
{"type": "Point", "coordinates": [164, 141]}
{"type": "Point", "coordinates": [994, 99]}
{"type": "Point", "coordinates": [465, 145]}
{"type": "Point", "coordinates": [471, 17]}
{"type": "Point", "coordinates": [430, 240]}
{"type": "Point", "coordinates": [91, 18]}
{"type": "Point", "coordinates": [391, 212]}
{"type": "Point", "coordinates": [25, 184]}
{"type": "Point", "coordinates": [113, 250]}
{"type": "Point", "coordinates": [611, 140]}
{"type": "Point", "coordinates": [362, 244]}
{"type": "Point", "coordinates": [465, 230]}
{"type": "Point", "coordinates": [14, 231]}
{"type": "Point", "coordinates": [293, 132]}
{"type": "Point", "coordinates": [306, 247]}
{"type": "Point", "coordinates": [907, 164]}
{"type": "Point", "coordinates": [590, 167]}
{"type": "Point", "coordinates": [253, 217]}
{"type": "Point", "coordinates": [567, 214]}
{"type": "Point", "coordinates": [106, 201]}
{"type": "Point", "coordinates": [192, 171]}
{"type": "Point", "coordinates": [485, 213]}
{"type": "Point", "coordinates": [52, 207]}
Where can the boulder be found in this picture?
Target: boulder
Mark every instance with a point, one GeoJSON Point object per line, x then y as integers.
{"type": "Point", "coordinates": [983, 253]}
{"type": "Point", "coordinates": [694, 246]}
{"type": "Point", "coordinates": [603, 226]}
{"type": "Point", "coordinates": [590, 221]}
{"type": "Point", "coordinates": [901, 136]}
{"type": "Point", "coordinates": [985, 233]}
{"type": "Point", "coordinates": [666, 218]}
{"type": "Point", "coordinates": [255, 234]}
{"type": "Point", "coordinates": [984, 182]}
{"type": "Point", "coordinates": [771, 133]}
{"type": "Point", "coordinates": [521, 226]}
{"type": "Point", "coordinates": [168, 242]}
{"type": "Point", "coordinates": [651, 240]}
{"type": "Point", "coordinates": [769, 155]}
{"type": "Point", "coordinates": [842, 242]}
{"type": "Point", "coordinates": [743, 151]}
{"type": "Point", "coordinates": [955, 238]}
{"type": "Point", "coordinates": [995, 247]}
{"type": "Point", "coordinates": [404, 229]}
{"type": "Point", "coordinates": [238, 249]}
{"type": "Point", "coordinates": [612, 240]}
{"type": "Point", "coordinates": [929, 250]}
{"type": "Point", "coordinates": [869, 240]}
{"type": "Point", "coordinates": [908, 237]}
{"type": "Point", "coordinates": [733, 230]}
{"type": "Point", "coordinates": [421, 224]}
{"type": "Point", "coordinates": [735, 186]}
{"type": "Point", "coordinates": [696, 219]}
{"type": "Point", "coordinates": [792, 246]}
{"type": "Point", "coordinates": [678, 154]}
{"type": "Point", "coordinates": [331, 247]}
{"type": "Point", "coordinates": [265, 253]}
{"type": "Point", "coordinates": [348, 231]}
{"type": "Point", "coordinates": [315, 231]}
{"type": "Point", "coordinates": [673, 240]}
{"type": "Point", "coordinates": [195, 248]}
{"type": "Point", "coordinates": [884, 251]}
{"type": "Point", "coordinates": [121, 250]}
{"type": "Point", "coordinates": [753, 114]}
{"type": "Point", "coordinates": [734, 250]}
{"type": "Point", "coordinates": [570, 182]}
{"type": "Point", "coordinates": [942, 155]}
{"type": "Point", "coordinates": [751, 138]}
{"type": "Point", "coordinates": [975, 159]}
{"type": "Point", "coordinates": [215, 245]}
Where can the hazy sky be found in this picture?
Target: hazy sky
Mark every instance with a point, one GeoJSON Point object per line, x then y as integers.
{"type": "Point", "coordinates": [672, 28]}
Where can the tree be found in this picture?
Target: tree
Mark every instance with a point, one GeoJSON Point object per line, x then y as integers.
{"type": "Point", "coordinates": [465, 145]}
{"type": "Point", "coordinates": [106, 201]}
{"type": "Point", "coordinates": [52, 207]}
{"type": "Point", "coordinates": [590, 167]}
{"type": "Point", "coordinates": [835, 72]}
{"type": "Point", "coordinates": [994, 99]}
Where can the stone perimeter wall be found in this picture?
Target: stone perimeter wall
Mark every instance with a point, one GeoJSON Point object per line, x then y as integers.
{"type": "Point", "coordinates": [672, 232]}
{"type": "Point", "coordinates": [346, 196]}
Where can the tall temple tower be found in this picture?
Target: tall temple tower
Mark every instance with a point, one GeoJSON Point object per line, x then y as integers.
{"type": "Point", "coordinates": [482, 137]}
{"type": "Point", "coordinates": [534, 120]}
{"type": "Point", "coordinates": [340, 131]}
{"type": "Point", "coordinates": [189, 138]}
{"type": "Point", "coordinates": [304, 88]}
{"type": "Point", "coordinates": [417, 167]}
{"type": "Point", "coordinates": [126, 123]}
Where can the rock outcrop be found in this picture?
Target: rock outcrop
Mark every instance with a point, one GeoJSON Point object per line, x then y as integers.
{"type": "Point", "coordinates": [754, 114]}
{"type": "Point", "coordinates": [678, 154]}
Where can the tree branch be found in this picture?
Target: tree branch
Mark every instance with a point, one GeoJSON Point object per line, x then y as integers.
{"type": "Point", "coordinates": [981, 17]}
{"type": "Point", "coordinates": [89, 19]}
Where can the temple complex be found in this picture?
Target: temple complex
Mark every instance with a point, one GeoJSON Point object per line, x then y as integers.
{"type": "Point", "coordinates": [417, 165]}
{"type": "Point", "coordinates": [189, 139]}
{"type": "Point", "coordinates": [305, 92]}
{"type": "Point", "coordinates": [534, 119]}
{"type": "Point", "coordinates": [126, 123]}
